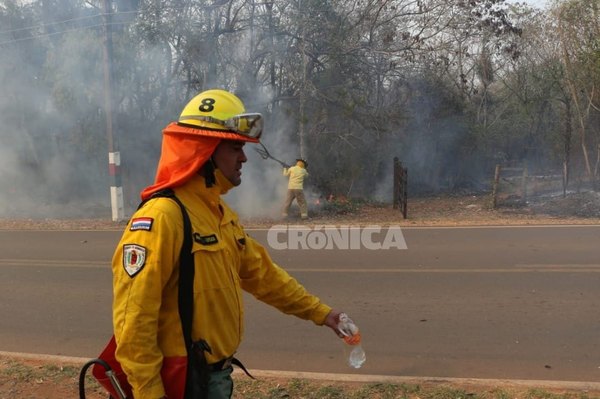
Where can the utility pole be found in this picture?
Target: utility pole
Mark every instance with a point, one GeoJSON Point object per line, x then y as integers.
{"type": "Point", "coordinates": [301, 109]}
{"type": "Point", "coordinates": [114, 157]}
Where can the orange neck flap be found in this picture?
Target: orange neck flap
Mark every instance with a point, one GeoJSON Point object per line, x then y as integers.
{"type": "Point", "coordinates": [181, 157]}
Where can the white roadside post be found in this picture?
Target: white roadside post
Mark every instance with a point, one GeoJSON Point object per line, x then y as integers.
{"type": "Point", "coordinates": [116, 189]}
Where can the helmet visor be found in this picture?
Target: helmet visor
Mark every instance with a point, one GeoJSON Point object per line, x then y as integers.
{"type": "Point", "coordinates": [249, 125]}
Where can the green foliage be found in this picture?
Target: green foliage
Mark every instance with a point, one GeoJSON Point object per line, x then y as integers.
{"type": "Point", "coordinates": [341, 206]}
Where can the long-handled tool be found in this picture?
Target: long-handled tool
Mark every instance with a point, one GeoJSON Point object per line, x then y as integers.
{"type": "Point", "coordinates": [109, 373]}
{"type": "Point", "coordinates": [264, 154]}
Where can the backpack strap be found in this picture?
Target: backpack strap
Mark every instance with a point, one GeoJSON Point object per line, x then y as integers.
{"type": "Point", "coordinates": [186, 279]}
{"type": "Point", "coordinates": [198, 370]}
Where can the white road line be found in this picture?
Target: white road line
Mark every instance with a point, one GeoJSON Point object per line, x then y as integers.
{"type": "Point", "coordinates": [557, 269]}
{"type": "Point", "coordinates": [55, 263]}
{"type": "Point", "coordinates": [520, 268]}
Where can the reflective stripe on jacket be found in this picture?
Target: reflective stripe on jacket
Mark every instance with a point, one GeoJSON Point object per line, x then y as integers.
{"type": "Point", "coordinates": [227, 260]}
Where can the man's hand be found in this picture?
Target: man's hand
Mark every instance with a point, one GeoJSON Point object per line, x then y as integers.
{"type": "Point", "coordinates": [332, 320]}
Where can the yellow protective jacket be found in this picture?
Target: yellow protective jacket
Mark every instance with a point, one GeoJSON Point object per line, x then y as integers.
{"type": "Point", "coordinates": [145, 272]}
{"type": "Point", "coordinates": [297, 175]}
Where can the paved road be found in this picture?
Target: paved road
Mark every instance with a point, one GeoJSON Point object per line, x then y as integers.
{"type": "Point", "coordinates": [513, 302]}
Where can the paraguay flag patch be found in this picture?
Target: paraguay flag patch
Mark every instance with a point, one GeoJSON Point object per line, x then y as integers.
{"type": "Point", "coordinates": [141, 224]}
{"type": "Point", "coordinates": [134, 258]}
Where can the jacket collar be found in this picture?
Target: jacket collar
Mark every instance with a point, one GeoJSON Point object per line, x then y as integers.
{"type": "Point", "coordinates": [195, 190]}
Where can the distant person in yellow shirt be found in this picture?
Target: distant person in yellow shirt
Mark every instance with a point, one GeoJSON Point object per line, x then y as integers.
{"type": "Point", "coordinates": [296, 174]}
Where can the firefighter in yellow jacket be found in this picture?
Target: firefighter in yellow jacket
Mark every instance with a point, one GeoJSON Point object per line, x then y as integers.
{"type": "Point", "coordinates": [297, 174]}
{"type": "Point", "coordinates": [201, 159]}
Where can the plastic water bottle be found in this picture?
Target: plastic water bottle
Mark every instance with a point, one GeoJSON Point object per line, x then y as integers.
{"type": "Point", "coordinates": [353, 349]}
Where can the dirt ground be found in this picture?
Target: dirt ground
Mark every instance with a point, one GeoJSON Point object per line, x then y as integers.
{"type": "Point", "coordinates": [27, 378]}
{"type": "Point", "coordinates": [448, 210]}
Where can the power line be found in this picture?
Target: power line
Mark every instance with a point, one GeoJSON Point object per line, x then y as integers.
{"type": "Point", "coordinates": [58, 33]}
{"type": "Point", "coordinates": [64, 22]}
{"type": "Point", "coordinates": [83, 18]}
{"type": "Point", "coordinates": [48, 25]}
{"type": "Point", "coordinates": [119, 13]}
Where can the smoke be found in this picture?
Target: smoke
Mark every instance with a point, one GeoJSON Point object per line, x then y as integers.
{"type": "Point", "coordinates": [53, 144]}
{"type": "Point", "coordinates": [57, 166]}
{"type": "Point", "coordinates": [264, 186]}
{"type": "Point", "coordinates": [261, 193]}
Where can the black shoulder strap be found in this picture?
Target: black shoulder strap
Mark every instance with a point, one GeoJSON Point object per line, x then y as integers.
{"type": "Point", "coordinates": [186, 271]}
{"type": "Point", "coordinates": [186, 303]}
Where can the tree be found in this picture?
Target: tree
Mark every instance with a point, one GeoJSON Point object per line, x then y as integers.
{"type": "Point", "coordinates": [579, 32]}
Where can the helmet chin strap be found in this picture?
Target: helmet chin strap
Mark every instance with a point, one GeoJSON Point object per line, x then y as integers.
{"type": "Point", "coordinates": [208, 171]}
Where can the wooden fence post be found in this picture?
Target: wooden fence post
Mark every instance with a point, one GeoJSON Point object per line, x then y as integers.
{"type": "Point", "coordinates": [565, 177]}
{"type": "Point", "coordinates": [495, 186]}
{"type": "Point", "coordinates": [396, 200]}
{"type": "Point", "coordinates": [404, 193]}
{"type": "Point", "coordinates": [400, 188]}
{"type": "Point", "coordinates": [524, 183]}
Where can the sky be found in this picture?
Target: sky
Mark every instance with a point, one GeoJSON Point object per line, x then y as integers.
{"type": "Point", "coordinates": [536, 3]}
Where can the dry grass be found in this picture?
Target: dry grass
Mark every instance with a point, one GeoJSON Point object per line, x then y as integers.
{"type": "Point", "coordinates": [37, 379]}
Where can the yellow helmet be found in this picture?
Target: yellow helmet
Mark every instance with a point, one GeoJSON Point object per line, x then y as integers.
{"type": "Point", "coordinates": [219, 113]}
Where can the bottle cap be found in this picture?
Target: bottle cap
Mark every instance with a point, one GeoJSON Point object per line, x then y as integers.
{"type": "Point", "coordinates": [353, 339]}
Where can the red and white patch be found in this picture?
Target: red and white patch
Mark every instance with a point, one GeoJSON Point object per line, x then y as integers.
{"type": "Point", "coordinates": [134, 258]}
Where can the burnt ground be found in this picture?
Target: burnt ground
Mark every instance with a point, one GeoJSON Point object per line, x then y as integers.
{"type": "Point", "coordinates": [441, 210]}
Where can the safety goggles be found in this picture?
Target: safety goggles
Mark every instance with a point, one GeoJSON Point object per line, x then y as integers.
{"type": "Point", "coordinates": [249, 125]}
